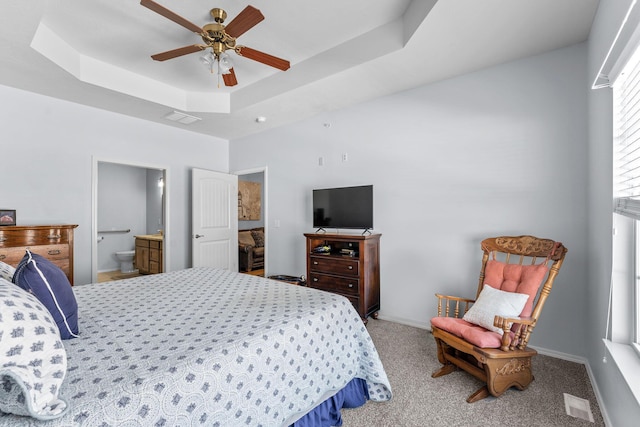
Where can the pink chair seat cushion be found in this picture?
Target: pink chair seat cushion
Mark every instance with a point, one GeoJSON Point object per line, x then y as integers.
{"type": "Point", "coordinates": [474, 334]}
{"type": "Point", "coordinates": [522, 279]}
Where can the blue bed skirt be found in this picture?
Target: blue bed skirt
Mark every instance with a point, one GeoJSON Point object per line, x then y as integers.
{"type": "Point", "coordinates": [327, 414]}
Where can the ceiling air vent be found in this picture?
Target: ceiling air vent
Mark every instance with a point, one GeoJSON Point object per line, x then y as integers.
{"type": "Point", "coordinates": [185, 119]}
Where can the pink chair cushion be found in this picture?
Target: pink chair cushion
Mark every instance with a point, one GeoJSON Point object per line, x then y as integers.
{"type": "Point", "coordinates": [523, 279]}
{"type": "Point", "coordinates": [474, 334]}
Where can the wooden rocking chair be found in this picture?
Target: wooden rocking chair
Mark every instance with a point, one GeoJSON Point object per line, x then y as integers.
{"type": "Point", "coordinates": [511, 267]}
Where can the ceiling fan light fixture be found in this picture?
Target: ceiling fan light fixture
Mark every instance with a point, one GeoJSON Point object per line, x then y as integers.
{"type": "Point", "coordinates": [224, 63]}
{"type": "Point", "coordinates": [220, 64]}
{"type": "Point", "coordinates": [208, 60]}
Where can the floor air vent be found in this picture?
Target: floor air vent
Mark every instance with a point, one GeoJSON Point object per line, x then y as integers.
{"type": "Point", "coordinates": [577, 407]}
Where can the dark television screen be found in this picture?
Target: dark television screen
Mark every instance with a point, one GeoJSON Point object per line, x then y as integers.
{"type": "Point", "coordinates": [345, 207]}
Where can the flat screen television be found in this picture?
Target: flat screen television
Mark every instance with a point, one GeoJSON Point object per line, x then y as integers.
{"type": "Point", "coordinates": [344, 207]}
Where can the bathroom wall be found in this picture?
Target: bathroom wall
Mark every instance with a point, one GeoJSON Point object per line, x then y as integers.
{"type": "Point", "coordinates": [155, 202]}
{"type": "Point", "coordinates": [122, 205]}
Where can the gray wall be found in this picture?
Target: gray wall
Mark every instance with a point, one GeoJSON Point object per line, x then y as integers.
{"type": "Point", "coordinates": [52, 144]}
{"type": "Point", "coordinates": [500, 151]}
{"type": "Point", "coordinates": [621, 406]}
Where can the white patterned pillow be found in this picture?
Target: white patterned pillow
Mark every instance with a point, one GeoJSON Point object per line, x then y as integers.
{"type": "Point", "coordinates": [33, 361]}
{"type": "Point", "coordinates": [492, 302]}
{"type": "Point", "coordinates": [6, 271]}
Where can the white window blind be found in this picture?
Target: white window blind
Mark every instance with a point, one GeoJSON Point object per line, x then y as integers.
{"type": "Point", "coordinates": [627, 37]}
{"type": "Point", "coordinates": [627, 139]}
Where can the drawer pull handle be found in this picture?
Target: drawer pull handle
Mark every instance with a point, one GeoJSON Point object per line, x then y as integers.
{"type": "Point", "coordinates": [350, 267]}
{"type": "Point", "coordinates": [54, 252]}
{"type": "Point", "coordinates": [53, 236]}
{"type": "Point", "coordinates": [2, 257]}
{"type": "Point", "coordinates": [315, 279]}
{"type": "Point", "coordinates": [315, 262]}
{"type": "Point", "coordinates": [351, 285]}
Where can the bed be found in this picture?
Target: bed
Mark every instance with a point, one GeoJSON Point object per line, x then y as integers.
{"type": "Point", "coordinates": [210, 347]}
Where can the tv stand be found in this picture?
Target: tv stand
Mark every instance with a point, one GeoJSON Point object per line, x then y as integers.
{"type": "Point", "coordinates": [350, 269]}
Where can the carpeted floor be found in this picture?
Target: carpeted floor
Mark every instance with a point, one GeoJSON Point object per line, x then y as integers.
{"type": "Point", "coordinates": [409, 357]}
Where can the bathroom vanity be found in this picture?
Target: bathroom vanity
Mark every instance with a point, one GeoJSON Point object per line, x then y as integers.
{"type": "Point", "coordinates": [148, 258]}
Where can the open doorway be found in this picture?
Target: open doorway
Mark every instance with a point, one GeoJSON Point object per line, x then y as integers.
{"type": "Point", "coordinates": [129, 220]}
{"type": "Point", "coordinates": [252, 221]}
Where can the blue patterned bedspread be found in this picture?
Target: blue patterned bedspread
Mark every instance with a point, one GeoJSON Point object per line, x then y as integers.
{"type": "Point", "coordinates": [210, 347]}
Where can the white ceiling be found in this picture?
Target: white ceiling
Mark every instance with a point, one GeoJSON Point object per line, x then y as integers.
{"type": "Point", "coordinates": [97, 53]}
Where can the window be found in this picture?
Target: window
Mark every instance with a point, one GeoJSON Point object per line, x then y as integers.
{"type": "Point", "coordinates": [626, 109]}
{"type": "Point", "coordinates": [636, 297]}
{"type": "Point", "coordinates": [619, 71]}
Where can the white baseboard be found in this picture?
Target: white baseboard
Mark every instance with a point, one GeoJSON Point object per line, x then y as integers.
{"type": "Point", "coordinates": [560, 355]}
{"type": "Point", "coordinates": [596, 390]}
{"type": "Point", "coordinates": [404, 321]}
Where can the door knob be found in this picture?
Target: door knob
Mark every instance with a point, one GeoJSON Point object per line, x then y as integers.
{"type": "Point", "coordinates": [197, 236]}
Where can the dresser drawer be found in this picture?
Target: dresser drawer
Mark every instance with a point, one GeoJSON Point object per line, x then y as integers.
{"type": "Point", "coordinates": [14, 255]}
{"type": "Point", "coordinates": [344, 267]}
{"type": "Point", "coordinates": [341, 285]}
{"type": "Point", "coordinates": [40, 236]}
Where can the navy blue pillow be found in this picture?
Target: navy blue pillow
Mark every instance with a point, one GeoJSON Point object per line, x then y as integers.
{"type": "Point", "coordinates": [50, 285]}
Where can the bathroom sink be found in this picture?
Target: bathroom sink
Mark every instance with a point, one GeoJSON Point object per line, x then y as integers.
{"type": "Point", "coordinates": [150, 236]}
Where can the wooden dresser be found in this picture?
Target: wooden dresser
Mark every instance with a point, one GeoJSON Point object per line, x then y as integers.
{"type": "Point", "coordinates": [54, 242]}
{"type": "Point", "coordinates": [355, 275]}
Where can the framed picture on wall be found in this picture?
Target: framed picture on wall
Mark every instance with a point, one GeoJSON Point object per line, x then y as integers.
{"type": "Point", "coordinates": [249, 200]}
{"type": "Point", "coordinates": [7, 217]}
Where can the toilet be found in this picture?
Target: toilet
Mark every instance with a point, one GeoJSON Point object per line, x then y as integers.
{"type": "Point", "coordinates": [126, 261]}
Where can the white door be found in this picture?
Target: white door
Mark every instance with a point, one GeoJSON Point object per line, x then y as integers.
{"type": "Point", "coordinates": [214, 224]}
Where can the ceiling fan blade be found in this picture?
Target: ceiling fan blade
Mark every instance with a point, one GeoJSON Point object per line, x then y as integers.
{"type": "Point", "coordinates": [150, 4]}
{"type": "Point", "coordinates": [230, 79]}
{"type": "Point", "coordinates": [170, 54]}
{"type": "Point", "coordinates": [247, 19]}
{"type": "Point", "coordinates": [256, 55]}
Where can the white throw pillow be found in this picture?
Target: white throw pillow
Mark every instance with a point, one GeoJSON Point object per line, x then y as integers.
{"type": "Point", "coordinates": [6, 271]}
{"type": "Point", "coordinates": [33, 361]}
{"type": "Point", "coordinates": [492, 302]}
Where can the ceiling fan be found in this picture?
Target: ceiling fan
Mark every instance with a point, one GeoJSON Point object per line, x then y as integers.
{"type": "Point", "coordinates": [219, 38]}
